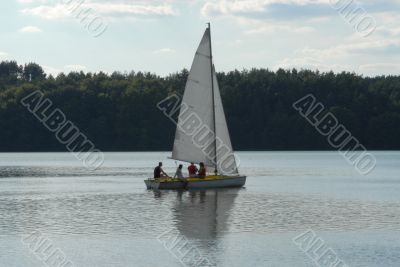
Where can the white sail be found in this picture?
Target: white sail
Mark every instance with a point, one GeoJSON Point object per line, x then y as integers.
{"type": "Point", "coordinates": [201, 124]}
{"type": "Point", "coordinates": [197, 99]}
{"type": "Point", "coordinates": [225, 157]}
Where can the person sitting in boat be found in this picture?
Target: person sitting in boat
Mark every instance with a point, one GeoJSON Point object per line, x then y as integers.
{"type": "Point", "coordinates": [192, 170]}
{"type": "Point", "coordinates": [202, 171]}
{"type": "Point", "coordinates": [159, 172]}
{"type": "Point", "coordinates": [178, 173]}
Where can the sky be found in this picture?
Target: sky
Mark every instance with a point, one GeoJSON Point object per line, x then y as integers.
{"type": "Point", "coordinates": [162, 36]}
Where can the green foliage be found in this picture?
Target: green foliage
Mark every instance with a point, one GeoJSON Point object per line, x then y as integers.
{"type": "Point", "coordinates": [34, 72]}
{"type": "Point", "coordinates": [118, 111]}
{"type": "Point", "coordinates": [9, 73]}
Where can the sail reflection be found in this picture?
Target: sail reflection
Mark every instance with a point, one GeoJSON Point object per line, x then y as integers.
{"type": "Point", "coordinates": [204, 214]}
{"type": "Point", "coordinates": [201, 217]}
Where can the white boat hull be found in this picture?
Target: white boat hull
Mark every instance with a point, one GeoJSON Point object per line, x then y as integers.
{"type": "Point", "coordinates": [195, 183]}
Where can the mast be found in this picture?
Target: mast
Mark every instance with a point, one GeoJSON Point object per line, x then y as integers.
{"type": "Point", "coordinates": [213, 98]}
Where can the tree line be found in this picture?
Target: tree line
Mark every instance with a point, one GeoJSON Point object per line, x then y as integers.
{"type": "Point", "coordinates": [118, 112]}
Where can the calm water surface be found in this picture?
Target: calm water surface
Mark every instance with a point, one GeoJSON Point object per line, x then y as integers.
{"type": "Point", "coordinates": [107, 218]}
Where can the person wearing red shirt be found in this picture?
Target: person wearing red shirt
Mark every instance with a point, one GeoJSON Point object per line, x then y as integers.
{"type": "Point", "coordinates": [192, 170]}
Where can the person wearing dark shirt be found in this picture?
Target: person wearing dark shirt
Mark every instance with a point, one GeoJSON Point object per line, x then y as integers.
{"type": "Point", "coordinates": [159, 172]}
{"type": "Point", "coordinates": [202, 171]}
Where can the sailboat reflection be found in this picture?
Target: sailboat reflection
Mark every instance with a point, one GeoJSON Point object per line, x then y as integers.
{"type": "Point", "coordinates": [201, 218]}
{"type": "Point", "coordinates": [204, 214]}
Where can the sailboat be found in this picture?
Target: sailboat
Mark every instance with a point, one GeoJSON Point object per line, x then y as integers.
{"type": "Point", "coordinates": [202, 133]}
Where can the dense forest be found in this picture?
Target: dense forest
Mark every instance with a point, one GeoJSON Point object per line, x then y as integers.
{"type": "Point", "coordinates": [118, 112]}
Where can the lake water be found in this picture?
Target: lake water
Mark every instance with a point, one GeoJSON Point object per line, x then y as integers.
{"type": "Point", "coordinates": [108, 218]}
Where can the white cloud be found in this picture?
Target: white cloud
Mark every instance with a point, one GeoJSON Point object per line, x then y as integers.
{"type": "Point", "coordinates": [273, 28]}
{"type": "Point", "coordinates": [47, 12]}
{"type": "Point", "coordinates": [51, 70]}
{"type": "Point", "coordinates": [388, 23]}
{"type": "Point", "coordinates": [380, 68]}
{"type": "Point", "coordinates": [29, 1]}
{"type": "Point", "coordinates": [30, 29]}
{"type": "Point", "coordinates": [220, 7]}
{"type": "Point", "coordinates": [350, 56]}
{"type": "Point", "coordinates": [164, 51]}
{"type": "Point", "coordinates": [225, 7]}
{"type": "Point", "coordinates": [75, 67]}
{"type": "Point", "coordinates": [365, 48]}
{"type": "Point", "coordinates": [254, 26]}
{"type": "Point", "coordinates": [65, 69]}
{"type": "Point", "coordinates": [307, 62]}
{"type": "Point", "coordinates": [106, 9]}
{"type": "Point", "coordinates": [134, 9]}
{"type": "Point", "coordinates": [3, 54]}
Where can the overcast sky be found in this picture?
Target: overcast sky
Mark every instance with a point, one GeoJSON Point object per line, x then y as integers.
{"type": "Point", "coordinates": [161, 36]}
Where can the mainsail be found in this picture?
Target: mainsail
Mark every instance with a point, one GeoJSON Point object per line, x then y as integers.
{"type": "Point", "coordinates": [202, 133]}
